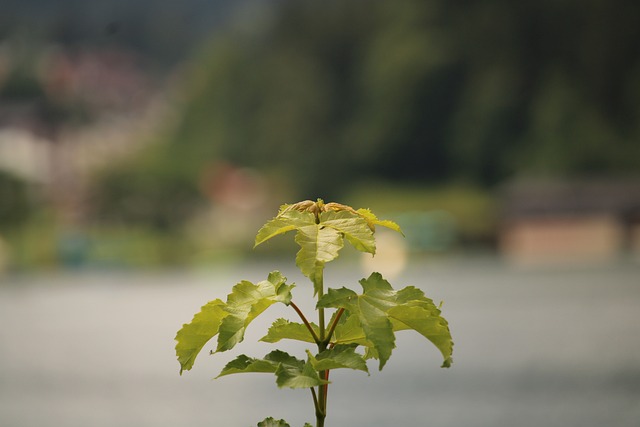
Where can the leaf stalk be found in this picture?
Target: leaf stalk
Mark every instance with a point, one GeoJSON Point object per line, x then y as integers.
{"type": "Point", "coordinates": [334, 324]}
{"type": "Point", "coordinates": [306, 322]}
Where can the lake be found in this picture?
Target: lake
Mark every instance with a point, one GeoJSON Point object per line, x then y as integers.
{"type": "Point", "coordinates": [533, 347]}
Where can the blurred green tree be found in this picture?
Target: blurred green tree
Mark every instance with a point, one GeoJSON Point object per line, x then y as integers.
{"type": "Point", "coordinates": [15, 204]}
{"type": "Point", "coordinates": [425, 91]}
{"type": "Point", "coordinates": [414, 91]}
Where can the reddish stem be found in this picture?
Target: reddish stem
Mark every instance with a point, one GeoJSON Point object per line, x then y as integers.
{"type": "Point", "coordinates": [306, 322]}
{"type": "Point", "coordinates": [334, 324]}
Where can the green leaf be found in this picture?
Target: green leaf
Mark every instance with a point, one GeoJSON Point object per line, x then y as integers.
{"type": "Point", "coordinates": [318, 245]}
{"type": "Point", "coordinates": [364, 320]}
{"type": "Point", "coordinates": [424, 317]}
{"type": "Point", "coordinates": [338, 298]}
{"type": "Point", "coordinates": [284, 329]}
{"type": "Point", "coordinates": [294, 376]}
{"type": "Point", "coordinates": [321, 230]}
{"type": "Point", "coordinates": [340, 356]}
{"type": "Point", "coordinates": [244, 364]}
{"type": "Point", "coordinates": [353, 227]}
{"type": "Point", "coordinates": [246, 302]}
{"type": "Point", "coordinates": [370, 308]}
{"type": "Point", "coordinates": [283, 223]}
{"type": "Point", "coordinates": [193, 336]}
{"type": "Point", "coordinates": [229, 320]}
{"type": "Point", "coordinates": [373, 220]}
{"type": "Point", "coordinates": [349, 331]}
{"type": "Point", "coordinates": [270, 422]}
{"type": "Point", "coordinates": [290, 372]}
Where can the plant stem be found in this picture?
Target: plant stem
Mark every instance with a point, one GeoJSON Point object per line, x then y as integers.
{"type": "Point", "coordinates": [321, 408]}
{"type": "Point", "coordinates": [306, 322]}
{"type": "Point", "coordinates": [320, 286]}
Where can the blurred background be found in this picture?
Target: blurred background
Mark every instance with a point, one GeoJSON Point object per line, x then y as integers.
{"type": "Point", "coordinates": [143, 143]}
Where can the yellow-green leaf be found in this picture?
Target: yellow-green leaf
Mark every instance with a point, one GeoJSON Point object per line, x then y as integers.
{"type": "Point", "coordinates": [424, 317]}
{"type": "Point", "coordinates": [194, 335]}
{"type": "Point", "coordinates": [321, 229]}
{"type": "Point", "coordinates": [284, 329]}
{"type": "Point", "coordinates": [318, 245]}
{"type": "Point", "coordinates": [246, 302]}
{"type": "Point", "coordinates": [244, 364]}
{"type": "Point", "coordinates": [271, 422]}
{"type": "Point", "coordinates": [283, 223]}
{"type": "Point", "coordinates": [353, 227]}
{"type": "Point", "coordinates": [373, 220]}
{"type": "Point", "coordinates": [340, 356]}
{"type": "Point", "coordinates": [372, 318]}
{"type": "Point", "coordinates": [370, 308]}
{"type": "Point", "coordinates": [293, 376]}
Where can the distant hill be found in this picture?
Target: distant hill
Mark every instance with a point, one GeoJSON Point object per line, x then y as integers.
{"type": "Point", "coordinates": [163, 29]}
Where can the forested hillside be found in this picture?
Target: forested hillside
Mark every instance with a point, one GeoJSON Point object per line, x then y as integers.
{"type": "Point", "coordinates": [419, 91]}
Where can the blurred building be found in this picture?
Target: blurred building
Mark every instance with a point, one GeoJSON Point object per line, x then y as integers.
{"type": "Point", "coordinates": [65, 112]}
{"type": "Point", "coordinates": [570, 222]}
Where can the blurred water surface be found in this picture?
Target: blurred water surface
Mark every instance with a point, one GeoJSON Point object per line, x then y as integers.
{"type": "Point", "coordinates": [537, 348]}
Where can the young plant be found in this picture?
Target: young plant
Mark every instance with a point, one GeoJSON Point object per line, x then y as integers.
{"type": "Point", "coordinates": [367, 320]}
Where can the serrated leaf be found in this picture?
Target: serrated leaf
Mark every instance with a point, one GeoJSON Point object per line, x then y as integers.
{"type": "Point", "coordinates": [194, 335]}
{"type": "Point", "coordinates": [411, 293]}
{"type": "Point", "coordinates": [244, 364]}
{"type": "Point", "coordinates": [246, 302]}
{"type": "Point", "coordinates": [284, 329]}
{"type": "Point", "coordinates": [378, 292]}
{"type": "Point", "coordinates": [353, 227]}
{"type": "Point", "coordinates": [340, 356]}
{"type": "Point", "coordinates": [320, 232]}
{"type": "Point", "coordinates": [283, 223]}
{"type": "Point", "coordinates": [337, 298]}
{"type": "Point", "coordinates": [295, 377]}
{"type": "Point", "coordinates": [290, 371]}
{"type": "Point", "coordinates": [370, 308]}
{"type": "Point", "coordinates": [378, 330]}
{"type": "Point", "coordinates": [318, 245]}
{"type": "Point", "coordinates": [270, 422]}
{"type": "Point", "coordinates": [408, 308]}
{"type": "Point", "coordinates": [271, 363]}
{"type": "Point", "coordinates": [373, 220]}
{"type": "Point", "coordinates": [349, 331]}
{"type": "Point", "coordinates": [424, 317]}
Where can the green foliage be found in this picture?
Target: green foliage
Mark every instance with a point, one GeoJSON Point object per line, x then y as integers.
{"type": "Point", "coordinates": [408, 92]}
{"type": "Point", "coordinates": [284, 329]}
{"type": "Point", "coordinates": [136, 193]}
{"type": "Point", "coordinates": [248, 301]}
{"type": "Point", "coordinates": [290, 372]}
{"type": "Point", "coordinates": [15, 207]}
{"type": "Point", "coordinates": [270, 422]}
{"type": "Point", "coordinates": [193, 336]}
{"type": "Point", "coordinates": [420, 91]}
{"type": "Point", "coordinates": [338, 356]}
{"type": "Point", "coordinates": [229, 320]}
{"type": "Point", "coordinates": [368, 320]}
{"type": "Point", "coordinates": [379, 311]}
{"type": "Point", "coordinates": [320, 235]}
